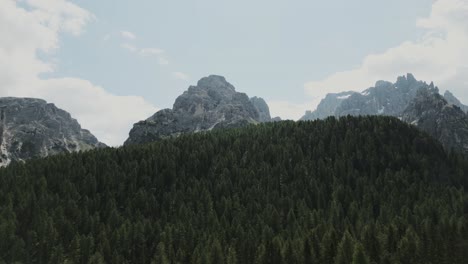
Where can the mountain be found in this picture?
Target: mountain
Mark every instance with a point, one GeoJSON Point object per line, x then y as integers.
{"type": "Point", "coordinates": [446, 122]}
{"type": "Point", "coordinates": [327, 107]}
{"type": "Point", "coordinates": [212, 104]}
{"type": "Point", "coordinates": [451, 99]}
{"type": "Point", "coordinates": [262, 108]}
{"type": "Point", "coordinates": [277, 192]}
{"type": "Point", "coordinates": [413, 101]}
{"type": "Point", "coordinates": [32, 128]}
{"type": "Point", "coordinates": [385, 98]}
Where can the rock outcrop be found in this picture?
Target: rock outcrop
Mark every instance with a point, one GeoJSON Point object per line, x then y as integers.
{"type": "Point", "coordinates": [328, 105]}
{"type": "Point", "coordinates": [212, 104]}
{"type": "Point", "coordinates": [415, 102]}
{"type": "Point", "coordinates": [451, 99]}
{"type": "Point", "coordinates": [262, 108]}
{"type": "Point", "coordinates": [446, 122]}
{"type": "Point", "coordinates": [385, 98]}
{"type": "Point", "coordinates": [33, 128]}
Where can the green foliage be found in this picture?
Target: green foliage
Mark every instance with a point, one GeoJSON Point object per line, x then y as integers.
{"type": "Point", "coordinates": [353, 190]}
{"type": "Point", "coordinates": [359, 255]}
{"type": "Point", "coordinates": [345, 249]}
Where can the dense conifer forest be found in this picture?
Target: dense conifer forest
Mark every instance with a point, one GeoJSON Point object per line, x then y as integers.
{"type": "Point", "coordinates": [349, 190]}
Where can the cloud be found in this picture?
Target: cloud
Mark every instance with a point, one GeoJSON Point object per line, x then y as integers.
{"type": "Point", "coordinates": [180, 76]}
{"type": "Point", "coordinates": [147, 52]}
{"type": "Point", "coordinates": [150, 51]}
{"type": "Point", "coordinates": [109, 116]}
{"type": "Point", "coordinates": [440, 56]}
{"type": "Point", "coordinates": [37, 27]}
{"type": "Point", "coordinates": [127, 35]}
{"type": "Point", "coordinates": [129, 47]}
{"type": "Point", "coordinates": [60, 15]}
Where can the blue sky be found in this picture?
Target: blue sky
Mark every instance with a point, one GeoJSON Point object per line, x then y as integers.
{"type": "Point", "coordinates": [111, 63]}
{"type": "Point", "coordinates": [265, 48]}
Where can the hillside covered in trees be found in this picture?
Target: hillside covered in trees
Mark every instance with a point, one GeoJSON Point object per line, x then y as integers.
{"type": "Point", "coordinates": [348, 190]}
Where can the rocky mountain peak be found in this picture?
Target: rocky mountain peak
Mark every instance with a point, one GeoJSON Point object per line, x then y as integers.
{"type": "Point", "coordinates": [327, 107]}
{"type": "Point", "coordinates": [405, 81]}
{"type": "Point", "coordinates": [262, 108]}
{"type": "Point", "coordinates": [385, 98]}
{"type": "Point", "coordinates": [430, 112]}
{"type": "Point", "coordinates": [451, 99]}
{"type": "Point", "coordinates": [212, 104]}
{"type": "Point", "coordinates": [416, 102]}
{"type": "Point", "coordinates": [33, 128]}
{"type": "Point", "coordinates": [209, 93]}
{"type": "Point", "coordinates": [215, 82]}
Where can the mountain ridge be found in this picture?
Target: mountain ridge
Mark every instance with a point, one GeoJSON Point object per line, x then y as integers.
{"type": "Point", "coordinates": [213, 103]}
{"type": "Point", "coordinates": [404, 99]}
{"type": "Point", "coordinates": [33, 128]}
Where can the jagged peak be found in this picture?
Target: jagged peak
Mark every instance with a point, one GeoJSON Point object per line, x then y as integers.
{"type": "Point", "coordinates": [382, 83]}
{"type": "Point", "coordinates": [215, 81]}
{"type": "Point", "coordinates": [410, 77]}
{"type": "Point", "coordinates": [406, 80]}
{"type": "Point", "coordinates": [448, 93]}
{"type": "Point", "coordinates": [212, 104]}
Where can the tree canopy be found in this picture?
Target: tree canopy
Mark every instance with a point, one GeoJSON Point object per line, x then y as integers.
{"type": "Point", "coordinates": [348, 190]}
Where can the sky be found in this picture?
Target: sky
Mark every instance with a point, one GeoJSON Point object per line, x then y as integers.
{"type": "Point", "coordinates": [111, 63]}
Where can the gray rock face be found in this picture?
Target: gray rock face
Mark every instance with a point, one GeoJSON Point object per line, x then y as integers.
{"type": "Point", "coordinates": [32, 128]}
{"type": "Point", "coordinates": [451, 99]}
{"type": "Point", "coordinates": [430, 112]}
{"type": "Point", "coordinates": [384, 99]}
{"type": "Point", "coordinates": [413, 101]}
{"type": "Point", "coordinates": [262, 109]}
{"type": "Point", "coordinates": [212, 104]}
{"type": "Point", "coordinates": [327, 107]}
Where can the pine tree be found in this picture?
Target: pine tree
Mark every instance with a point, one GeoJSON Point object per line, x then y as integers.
{"type": "Point", "coordinates": [359, 255]}
{"type": "Point", "coordinates": [345, 249]}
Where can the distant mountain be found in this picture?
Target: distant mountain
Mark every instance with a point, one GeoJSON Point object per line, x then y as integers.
{"type": "Point", "coordinates": [262, 108]}
{"type": "Point", "coordinates": [212, 104]}
{"type": "Point", "coordinates": [33, 128]}
{"type": "Point", "coordinates": [430, 112]}
{"type": "Point", "coordinates": [451, 99]}
{"type": "Point", "coordinates": [327, 107]}
{"type": "Point", "coordinates": [413, 101]}
{"type": "Point", "coordinates": [385, 98]}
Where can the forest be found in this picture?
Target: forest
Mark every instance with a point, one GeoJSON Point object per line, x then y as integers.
{"type": "Point", "coordinates": [349, 190]}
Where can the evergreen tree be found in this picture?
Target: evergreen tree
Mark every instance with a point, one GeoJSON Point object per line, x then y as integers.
{"type": "Point", "coordinates": [359, 255]}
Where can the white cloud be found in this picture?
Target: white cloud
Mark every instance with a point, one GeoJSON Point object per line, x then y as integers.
{"type": "Point", "coordinates": [127, 35]}
{"type": "Point", "coordinates": [440, 56]}
{"type": "Point", "coordinates": [37, 28]}
{"type": "Point", "coordinates": [180, 76]}
{"type": "Point", "coordinates": [60, 15]}
{"type": "Point", "coordinates": [147, 52]}
{"type": "Point", "coordinates": [150, 51]}
{"type": "Point", "coordinates": [129, 47]}
{"type": "Point", "coordinates": [109, 116]}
